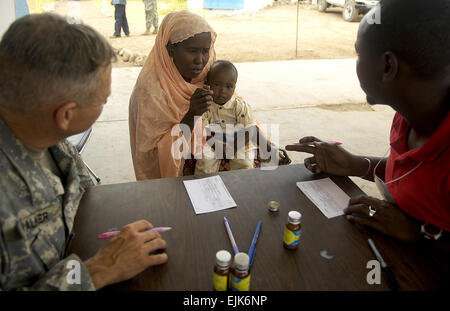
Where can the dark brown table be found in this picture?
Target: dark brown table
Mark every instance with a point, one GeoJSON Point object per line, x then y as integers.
{"type": "Point", "coordinates": [195, 239]}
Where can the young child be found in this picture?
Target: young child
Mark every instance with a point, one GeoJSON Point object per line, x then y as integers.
{"type": "Point", "coordinates": [226, 109]}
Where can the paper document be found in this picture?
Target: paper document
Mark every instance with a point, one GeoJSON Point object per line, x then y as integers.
{"type": "Point", "coordinates": [326, 195]}
{"type": "Point", "coordinates": [209, 194]}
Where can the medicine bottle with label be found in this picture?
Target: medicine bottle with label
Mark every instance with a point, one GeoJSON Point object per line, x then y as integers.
{"type": "Point", "coordinates": [292, 230]}
{"type": "Point", "coordinates": [221, 278]}
{"type": "Point", "coordinates": [240, 276]}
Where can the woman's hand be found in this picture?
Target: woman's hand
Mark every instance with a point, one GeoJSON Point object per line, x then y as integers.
{"type": "Point", "coordinates": [199, 103]}
{"type": "Point", "coordinates": [329, 158]}
{"type": "Point", "coordinates": [388, 218]}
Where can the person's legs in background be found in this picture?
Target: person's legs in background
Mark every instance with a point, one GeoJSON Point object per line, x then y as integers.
{"type": "Point", "coordinates": [119, 9]}
{"type": "Point", "coordinates": [154, 19]}
{"type": "Point", "coordinates": [125, 28]}
{"type": "Point", "coordinates": [148, 22]}
{"type": "Point", "coordinates": [151, 16]}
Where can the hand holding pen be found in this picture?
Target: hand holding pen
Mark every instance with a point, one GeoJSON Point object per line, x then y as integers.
{"type": "Point", "coordinates": [111, 234]}
{"type": "Point", "coordinates": [130, 253]}
{"type": "Point", "coordinates": [327, 157]}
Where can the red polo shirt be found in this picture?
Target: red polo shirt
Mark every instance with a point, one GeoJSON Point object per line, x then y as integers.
{"type": "Point", "coordinates": [425, 193]}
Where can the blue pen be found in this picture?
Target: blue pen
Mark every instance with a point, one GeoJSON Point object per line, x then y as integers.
{"type": "Point", "coordinates": [251, 251]}
{"type": "Point", "coordinates": [230, 235]}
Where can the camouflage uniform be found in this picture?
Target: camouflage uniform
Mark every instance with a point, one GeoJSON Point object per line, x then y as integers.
{"type": "Point", "coordinates": [151, 14]}
{"type": "Point", "coordinates": [36, 216]}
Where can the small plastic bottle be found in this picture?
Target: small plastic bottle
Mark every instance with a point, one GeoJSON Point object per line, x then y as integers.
{"type": "Point", "coordinates": [240, 276]}
{"type": "Point", "coordinates": [221, 278]}
{"type": "Point", "coordinates": [292, 230]}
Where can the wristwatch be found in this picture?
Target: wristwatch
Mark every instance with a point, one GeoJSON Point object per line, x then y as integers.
{"type": "Point", "coordinates": [430, 232]}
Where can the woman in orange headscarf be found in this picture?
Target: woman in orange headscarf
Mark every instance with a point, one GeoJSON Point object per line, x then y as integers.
{"type": "Point", "coordinates": [169, 92]}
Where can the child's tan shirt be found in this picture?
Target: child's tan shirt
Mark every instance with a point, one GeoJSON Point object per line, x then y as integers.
{"type": "Point", "coordinates": [235, 111]}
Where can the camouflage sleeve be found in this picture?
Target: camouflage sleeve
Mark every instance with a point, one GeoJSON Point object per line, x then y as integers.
{"type": "Point", "coordinates": [4, 263]}
{"type": "Point", "coordinates": [69, 274]}
{"type": "Point", "coordinates": [85, 177]}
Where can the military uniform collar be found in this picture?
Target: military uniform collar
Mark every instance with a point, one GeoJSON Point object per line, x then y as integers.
{"type": "Point", "coordinates": [32, 173]}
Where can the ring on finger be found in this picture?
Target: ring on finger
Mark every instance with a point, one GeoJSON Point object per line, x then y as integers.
{"type": "Point", "coordinates": [372, 211]}
{"type": "Point", "coordinates": [310, 161]}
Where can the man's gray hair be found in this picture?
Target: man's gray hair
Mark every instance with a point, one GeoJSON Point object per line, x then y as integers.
{"type": "Point", "coordinates": [44, 60]}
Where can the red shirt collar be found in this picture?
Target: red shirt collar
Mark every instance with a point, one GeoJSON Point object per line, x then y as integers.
{"type": "Point", "coordinates": [435, 145]}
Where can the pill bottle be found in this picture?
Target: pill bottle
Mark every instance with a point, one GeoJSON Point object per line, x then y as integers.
{"type": "Point", "coordinates": [221, 278]}
{"type": "Point", "coordinates": [240, 275]}
{"type": "Point", "coordinates": [274, 206]}
{"type": "Point", "coordinates": [292, 230]}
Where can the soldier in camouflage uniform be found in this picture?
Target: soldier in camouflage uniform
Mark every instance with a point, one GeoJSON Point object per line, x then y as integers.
{"type": "Point", "coordinates": [151, 16]}
{"type": "Point", "coordinates": [37, 215]}
{"type": "Point", "coordinates": [42, 175]}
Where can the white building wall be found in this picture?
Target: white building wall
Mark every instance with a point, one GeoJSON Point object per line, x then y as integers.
{"type": "Point", "coordinates": [249, 5]}
{"type": "Point", "coordinates": [195, 4]}
{"type": "Point", "coordinates": [254, 5]}
{"type": "Point", "coordinates": [7, 15]}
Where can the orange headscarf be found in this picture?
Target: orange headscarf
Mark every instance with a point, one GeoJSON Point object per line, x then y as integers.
{"type": "Point", "coordinates": [161, 98]}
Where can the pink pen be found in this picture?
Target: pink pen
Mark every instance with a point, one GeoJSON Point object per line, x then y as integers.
{"type": "Point", "coordinates": [336, 143]}
{"type": "Point", "coordinates": [110, 234]}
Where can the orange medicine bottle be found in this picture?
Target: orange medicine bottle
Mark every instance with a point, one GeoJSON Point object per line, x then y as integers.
{"type": "Point", "coordinates": [292, 230]}
{"type": "Point", "coordinates": [240, 276]}
{"type": "Point", "coordinates": [221, 278]}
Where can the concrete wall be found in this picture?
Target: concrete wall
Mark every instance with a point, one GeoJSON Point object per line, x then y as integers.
{"type": "Point", "coordinates": [7, 15]}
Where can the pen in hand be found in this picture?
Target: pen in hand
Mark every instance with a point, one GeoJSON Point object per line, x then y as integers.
{"type": "Point", "coordinates": [336, 143]}
{"type": "Point", "coordinates": [111, 234]}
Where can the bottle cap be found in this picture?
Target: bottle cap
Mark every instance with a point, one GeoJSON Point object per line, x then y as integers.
{"type": "Point", "coordinates": [241, 261]}
{"type": "Point", "coordinates": [294, 217]}
{"type": "Point", "coordinates": [274, 206]}
{"type": "Point", "coordinates": [223, 258]}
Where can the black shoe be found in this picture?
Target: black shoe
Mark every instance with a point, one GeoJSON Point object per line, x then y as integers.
{"type": "Point", "coordinates": [114, 36]}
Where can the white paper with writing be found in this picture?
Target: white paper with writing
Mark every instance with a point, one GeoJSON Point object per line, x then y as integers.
{"type": "Point", "coordinates": [208, 194]}
{"type": "Point", "coordinates": [326, 195]}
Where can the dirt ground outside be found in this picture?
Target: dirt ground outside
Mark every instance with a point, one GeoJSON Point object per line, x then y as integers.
{"type": "Point", "coordinates": [265, 35]}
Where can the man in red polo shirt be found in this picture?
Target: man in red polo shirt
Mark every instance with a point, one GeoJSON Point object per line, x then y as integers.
{"type": "Point", "coordinates": [403, 62]}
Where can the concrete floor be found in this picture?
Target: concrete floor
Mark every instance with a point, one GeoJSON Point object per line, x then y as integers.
{"type": "Point", "coordinates": [305, 97]}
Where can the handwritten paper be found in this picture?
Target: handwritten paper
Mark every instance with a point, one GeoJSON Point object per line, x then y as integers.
{"type": "Point", "coordinates": [326, 195]}
{"type": "Point", "coordinates": [208, 194]}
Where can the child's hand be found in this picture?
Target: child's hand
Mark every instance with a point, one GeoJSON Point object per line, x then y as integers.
{"type": "Point", "coordinates": [284, 158]}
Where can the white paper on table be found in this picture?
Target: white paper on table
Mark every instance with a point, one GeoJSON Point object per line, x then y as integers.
{"type": "Point", "coordinates": [208, 194]}
{"type": "Point", "coordinates": [326, 195]}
